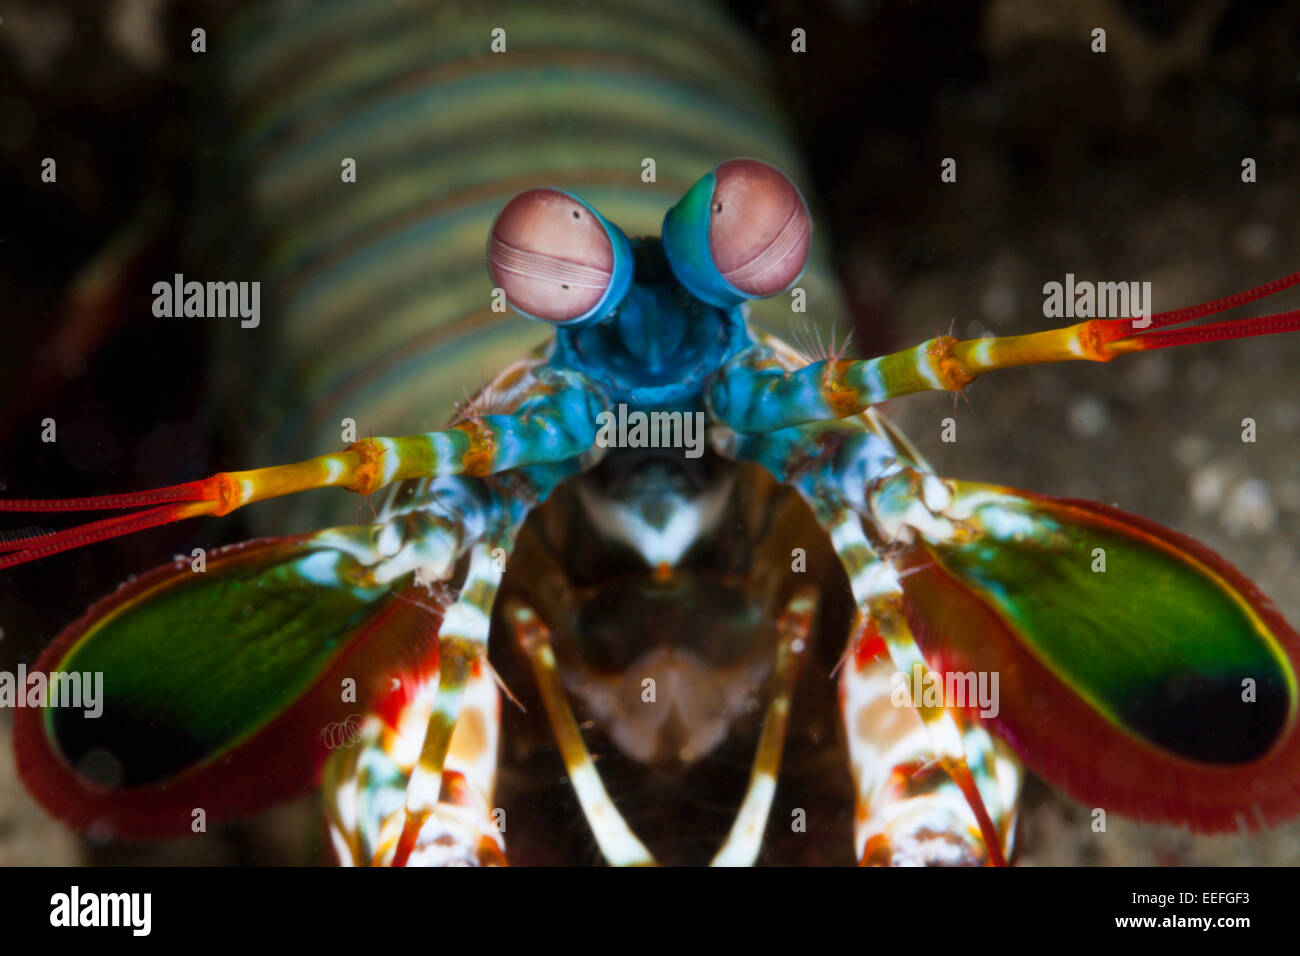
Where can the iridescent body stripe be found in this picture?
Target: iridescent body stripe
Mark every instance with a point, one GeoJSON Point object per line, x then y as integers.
{"type": "Point", "coordinates": [377, 302]}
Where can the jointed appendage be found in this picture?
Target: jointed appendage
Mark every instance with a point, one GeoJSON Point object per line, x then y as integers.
{"type": "Point", "coordinates": [462, 658]}
{"type": "Point", "coordinates": [949, 793]}
{"type": "Point", "coordinates": [910, 811]}
{"type": "Point", "coordinates": [540, 442]}
{"type": "Point", "coordinates": [443, 815]}
{"type": "Point", "coordinates": [365, 785]}
{"type": "Point", "coordinates": [756, 392]}
{"type": "Point", "coordinates": [617, 842]}
{"type": "Point", "coordinates": [556, 421]}
{"type": "Point", "coordinates": [794, 628]}
{"type": "Point", "coordinates": [619, 845]}
{"type": "Point", "coordinates": [462, 646]}
{"type": "Point", "coordinates": [932, 785]}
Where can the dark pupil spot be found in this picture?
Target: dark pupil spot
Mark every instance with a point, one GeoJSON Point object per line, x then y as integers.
{"type": "Point", "coordinates": [575, 214]}
{"type": "Point", "coordinates": [717, 207]}
{"type": "Point", "coordinates": [563, 286]}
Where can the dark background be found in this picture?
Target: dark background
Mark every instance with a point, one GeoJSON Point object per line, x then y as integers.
{"type": "Point", "coordinates": [1119, 166]}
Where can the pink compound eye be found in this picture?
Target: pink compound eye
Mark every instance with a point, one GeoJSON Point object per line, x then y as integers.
{"type": "Point", "coordinates": [551, 255]}
{"type": "Point", "coordinates": [759, 227]}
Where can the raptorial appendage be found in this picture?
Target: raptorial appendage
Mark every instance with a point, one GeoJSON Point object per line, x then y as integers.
{"type": "Point", "coordinates": [365, 784]}
{"type": "Point", "coordinates": [933, 787]}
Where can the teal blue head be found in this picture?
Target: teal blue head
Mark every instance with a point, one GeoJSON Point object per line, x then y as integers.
{"type": "Point", "coordinates": [653, 315]}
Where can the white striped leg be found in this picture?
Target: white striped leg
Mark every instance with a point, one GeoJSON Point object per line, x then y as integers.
{"type": "Point", "coordinates": [462, 646]}
{"type": "Point", "coordinates": [746, 837]}
{"type": "Point", "coordinates": [365, 785]}
{"type": "Point", "coordinates": [908, 809]}
{"type": "Point", "coordinates": [948, 796]}
{"type": "Point", "coordinates": [615, 838]}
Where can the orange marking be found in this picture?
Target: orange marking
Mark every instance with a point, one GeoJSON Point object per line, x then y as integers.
{"type": "Point", "coordinates": [225, 491]}
{"type": "Point", "coordinates": [842, 397]}
{"type": "Point", "coordinates": [1104, 339]}
{"type": "Point", "coordinates": [368, 478]}
{"type": "Point", "coordinates": [951, 370]}
{"type": "Point", "coordinates": [478, 458]}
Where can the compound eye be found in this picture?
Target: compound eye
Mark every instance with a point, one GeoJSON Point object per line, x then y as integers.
{"type": "Point", "coordinates": [759, 227]}
{"type": "Point", "coordinates": [741, 232]}
{"type": "Point", "coordinates": [553, 255]}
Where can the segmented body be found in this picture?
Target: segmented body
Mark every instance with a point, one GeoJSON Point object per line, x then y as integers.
{"type": "Point", "coordinates": [378, 306]}
{"type": "Point", "coordinates": [675, 604]}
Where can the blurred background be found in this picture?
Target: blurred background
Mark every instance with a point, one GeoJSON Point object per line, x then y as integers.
{"type": "Point", "coordinates": [1117, 166]}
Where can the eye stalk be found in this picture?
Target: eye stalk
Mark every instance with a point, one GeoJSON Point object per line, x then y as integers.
{"type": "Point", "coordinates": [741, 232]}
{"type": "Point", "coordinates": [557, 259]}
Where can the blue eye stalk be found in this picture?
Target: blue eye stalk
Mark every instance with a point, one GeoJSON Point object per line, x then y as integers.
{"type": "Point", "coordinates": [741, 232]}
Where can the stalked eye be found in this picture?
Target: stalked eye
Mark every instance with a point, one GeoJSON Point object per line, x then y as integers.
{"type": "Point", "coordinates": [741, 232]}
{"type": "Point", "coordinates": [759, 227]}
{"type": "Point", "coordinates": [557, 259]}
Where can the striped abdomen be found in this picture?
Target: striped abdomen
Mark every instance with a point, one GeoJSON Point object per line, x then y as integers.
{"type": "Point", "coordinates": [378, 304]}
